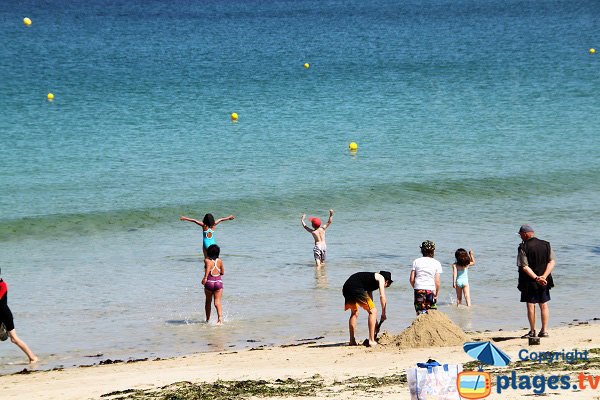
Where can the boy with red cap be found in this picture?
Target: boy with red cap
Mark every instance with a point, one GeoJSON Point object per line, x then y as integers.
{"type": "Point", "coordinates": [318, 233]}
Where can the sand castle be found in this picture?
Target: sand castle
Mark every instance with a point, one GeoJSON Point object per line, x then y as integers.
{"type": "Point", "coordinates": [433, 329]}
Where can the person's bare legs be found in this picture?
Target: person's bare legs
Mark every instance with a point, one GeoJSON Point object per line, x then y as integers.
{"type": "Point", "coordinates": [352, 326]}
{"type": "Point", "coordinates": [207, 303]}
{"type": "Point", "coordinates": [319, 262]}
{"type": "Point", "coordinates": [21, 344]}
{"type": "Point", "coordinates": [458, 295]}
{"type": "Point", "coordinates": [467, 295]}
{"type": "Point", "coordinates": [372, 323]}
{"type": "Point", "coordinates": [531, 316]}
{"type": "Point", "coordinates": [218, 295]}
{"type": "Point", "coordinates": [545, 311]}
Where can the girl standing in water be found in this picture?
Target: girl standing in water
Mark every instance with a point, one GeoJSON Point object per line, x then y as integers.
{"type": "Point", "coordinates": [212, 281]}
{"type": "Point", "coordinates": [460, 274]}
{"type": "Point", "coordinates": [208, 225]}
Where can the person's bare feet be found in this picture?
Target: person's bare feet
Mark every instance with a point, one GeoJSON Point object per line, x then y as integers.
{"type": "Point", "coordinates": [34, 360]}
{"type": "Point", "coordinates": [353, 342]}
{"type": "Point", "coordinates": [369, 343]}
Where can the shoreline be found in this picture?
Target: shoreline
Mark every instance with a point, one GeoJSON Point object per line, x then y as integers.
{"type": "Point", "coordinates": [312, 368]}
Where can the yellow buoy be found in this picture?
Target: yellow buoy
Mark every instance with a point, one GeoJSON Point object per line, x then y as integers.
{"type": "Point", "coordinates": [353, 146]}
{"type": "Point", "coordinates": [50, 97]}
{"type": "Point", "coordinates": [592, 51]}
{"type": "Point", "coordinates": [306, 65]}
{"type": "Point", "coordinates": [234, 117]}
{"type": "Point", "coordinates": [26, 21]}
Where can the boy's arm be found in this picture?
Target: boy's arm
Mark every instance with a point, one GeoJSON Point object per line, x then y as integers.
{"type": "Point", "coordinates": [329, 221]}
{"type": "Point", "coordinates": [437, 284]}
{"type": "Point", "coordinates": [382, 298]}
{"type": "Point", "coordinates": [304, 224]}
{"type": "Point", "coordinates": [412, 278]}
{"type": "Point", "coordinates": [182, 218]}
{"type": "Point", "coordinates": [472, 257]}
{"type": "Point", "coordinates": [217, 222]}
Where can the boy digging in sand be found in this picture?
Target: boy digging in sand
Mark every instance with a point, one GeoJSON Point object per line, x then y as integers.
{"type": "Point", "coordinates": [318, 233]}
{"type": "Point", "coordinates": [358, 292]}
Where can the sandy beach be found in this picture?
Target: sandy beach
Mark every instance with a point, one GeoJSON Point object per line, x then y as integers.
{"type": "Point", "coordinates": [309, 369]}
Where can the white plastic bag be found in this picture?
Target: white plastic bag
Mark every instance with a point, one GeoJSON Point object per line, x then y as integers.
{"type": "Point", "coordinates": [434, 383]}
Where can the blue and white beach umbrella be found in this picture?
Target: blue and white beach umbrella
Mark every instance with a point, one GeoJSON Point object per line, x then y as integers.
{"type": "Point", "coordinates": [486, 353]}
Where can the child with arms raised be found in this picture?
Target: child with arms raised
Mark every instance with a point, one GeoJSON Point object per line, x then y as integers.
{"type": "Point", "coordinates": [208, 225]}
{"type": "Point", "coordinates": [318, 233]}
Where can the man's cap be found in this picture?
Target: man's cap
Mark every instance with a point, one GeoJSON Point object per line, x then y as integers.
{"type": "Point", "coordinates": [387, 276]}
{"type": "Point", "coordinates": [525, 228]}
{"type": "Point", "coordinates": [316, 222]}
{"type": "Point", "coordinates": [428, 245]}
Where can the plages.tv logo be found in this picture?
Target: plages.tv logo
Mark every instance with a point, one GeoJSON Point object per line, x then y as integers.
{"type": "Point", "coordinates": [478, 384]}
{"type": "Point", "coordinates": [474, 384]}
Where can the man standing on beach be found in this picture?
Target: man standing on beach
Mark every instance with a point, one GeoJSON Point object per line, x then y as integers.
{"type": "Point", "coordinates": [358, 292]}
{"type": "Point", "coordinates": [535, 260]}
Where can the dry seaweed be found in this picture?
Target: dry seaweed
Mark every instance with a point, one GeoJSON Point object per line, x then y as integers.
{"type": "Point", "coordinates": [223, 390]}
{"type": "Point", "coordinates": [229, 390]}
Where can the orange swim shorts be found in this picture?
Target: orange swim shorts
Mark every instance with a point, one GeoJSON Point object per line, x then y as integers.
{"type": "Point", "coordinates": [354, 300]}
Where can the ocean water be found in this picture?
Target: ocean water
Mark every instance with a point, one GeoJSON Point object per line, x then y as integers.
{"type": "Point", "coordinates": [471, 116]}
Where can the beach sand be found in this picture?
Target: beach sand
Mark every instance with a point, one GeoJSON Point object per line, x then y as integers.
{"type": "Point", "coordinates": [310, 369]}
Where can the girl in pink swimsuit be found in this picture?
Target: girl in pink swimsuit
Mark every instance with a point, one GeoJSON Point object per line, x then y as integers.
{"type": "Point", "coordinates": [212, 281]}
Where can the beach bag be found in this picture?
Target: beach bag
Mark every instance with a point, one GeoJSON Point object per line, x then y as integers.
{"type": "Point", "coordinates": [433, 381]}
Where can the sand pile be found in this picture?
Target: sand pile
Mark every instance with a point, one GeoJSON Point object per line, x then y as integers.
{"type": "Point", "coordinates": [433, 329]}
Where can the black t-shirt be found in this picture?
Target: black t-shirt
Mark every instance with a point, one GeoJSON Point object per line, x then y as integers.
{"type": "Point", "coordinates": [361, 281]}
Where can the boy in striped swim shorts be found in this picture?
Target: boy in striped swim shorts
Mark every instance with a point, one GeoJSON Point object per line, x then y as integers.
{"type": "Point", "coordinates": [318, 233]}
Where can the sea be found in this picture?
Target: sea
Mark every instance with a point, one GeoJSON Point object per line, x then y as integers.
{"type": "Point", "coordinates": [471, 117]}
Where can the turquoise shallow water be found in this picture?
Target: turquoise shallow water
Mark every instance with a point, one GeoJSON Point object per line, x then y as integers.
{"type": "Point", "coordinates": [472, 117]}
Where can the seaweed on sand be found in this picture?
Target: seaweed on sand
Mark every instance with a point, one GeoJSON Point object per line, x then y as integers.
{"type": "Point", "coordinates": [223, 390]}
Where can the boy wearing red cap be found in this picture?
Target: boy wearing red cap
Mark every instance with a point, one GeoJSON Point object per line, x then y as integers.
{"type": "Point", "coordinates": [318, 233]}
